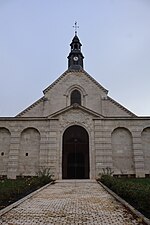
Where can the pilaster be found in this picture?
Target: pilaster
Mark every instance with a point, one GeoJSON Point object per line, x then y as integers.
{"type": "Point", "coordinates": [138, 154]}
{"type": "Point", "coordinates": [13, 155]}
{"type": "Point", "coordinates": [103, 152]}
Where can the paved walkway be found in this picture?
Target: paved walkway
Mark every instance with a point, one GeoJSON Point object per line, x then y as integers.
{"type": "Point", "coordinates": [70, 203]}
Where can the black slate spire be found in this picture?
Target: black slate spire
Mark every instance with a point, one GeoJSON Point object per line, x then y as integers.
{"type": "Point", "coordinates": [75, 58]}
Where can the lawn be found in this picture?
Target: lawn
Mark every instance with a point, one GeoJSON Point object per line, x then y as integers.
{"type": "Point", "coordinates": [13, 190]}
{"type": "Point", "coordinates": [136, 191]}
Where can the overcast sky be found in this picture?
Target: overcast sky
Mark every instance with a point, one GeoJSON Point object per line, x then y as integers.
{"type": "Point", "coordinates": [34, 44]}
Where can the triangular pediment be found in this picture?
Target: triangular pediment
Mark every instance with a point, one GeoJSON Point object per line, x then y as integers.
{"type": "Point", "coordinates": [77, 72]}
{"type": "Point", "coordinates": [75, 108]}
{"type": "Point", "coordinates": [95, 99]}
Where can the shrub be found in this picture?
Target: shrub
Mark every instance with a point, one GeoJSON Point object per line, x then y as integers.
{"type": "Point", "coordinates": [105, 171]}
{"type": "Point", "coordinates": [45, 176]}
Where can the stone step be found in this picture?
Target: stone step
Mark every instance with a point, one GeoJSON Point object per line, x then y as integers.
{"type": "Point", "coordinates": [76, 181]}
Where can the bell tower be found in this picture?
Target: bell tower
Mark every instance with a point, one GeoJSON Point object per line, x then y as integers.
{"type": "Point", "coordinates": [75, 58]}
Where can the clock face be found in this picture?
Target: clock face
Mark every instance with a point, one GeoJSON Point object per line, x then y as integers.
{"type": "Point", "coordinates": [75, 58]}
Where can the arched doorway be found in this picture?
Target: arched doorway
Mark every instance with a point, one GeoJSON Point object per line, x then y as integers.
{"type": "Point", "coordinates": [75, 154]}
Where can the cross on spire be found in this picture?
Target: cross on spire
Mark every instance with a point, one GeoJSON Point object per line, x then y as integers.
{"type": "Point", "coordinates": [75, 27]}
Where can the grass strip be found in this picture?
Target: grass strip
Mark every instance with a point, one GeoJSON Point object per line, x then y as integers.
{"type": "Point", "coordinates": [136, 191]}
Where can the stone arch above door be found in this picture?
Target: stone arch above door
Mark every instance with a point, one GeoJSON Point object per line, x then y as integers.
{"type": "Point", "coordinates": [75, 153]}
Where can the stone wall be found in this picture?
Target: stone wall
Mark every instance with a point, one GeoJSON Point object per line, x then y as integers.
{"type": "Point", "coordinates": [122, 151]}
{"type": "Point", "coordinates": [4, 150]}
{"type": "Point", "coordinates": [29, 152]}
{"type": "Point", "coordinates": [123, 146]}
{"type": "Point", "coordinates": [146, 149]}
{"type": "Point", "coordinates": [29, 144]}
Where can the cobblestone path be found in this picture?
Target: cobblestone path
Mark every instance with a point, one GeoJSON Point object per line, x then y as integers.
{"type": "Point", "coordinates": [69, 203]}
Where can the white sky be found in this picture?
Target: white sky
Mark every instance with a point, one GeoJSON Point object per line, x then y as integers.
{"type": "Point", "coordinates": [34, 45]}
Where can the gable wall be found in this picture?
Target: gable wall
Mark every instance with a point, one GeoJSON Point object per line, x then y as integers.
{"type": "Point", "coordinates": [35, 110]}
{"type": "Point", "coordinates": [57, 97]}
{"type": "Point", "coordinates": [111, 109]}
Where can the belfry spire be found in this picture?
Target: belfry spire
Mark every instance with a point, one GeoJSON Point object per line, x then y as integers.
{"type": "Point", "coordinates": [75, 58]}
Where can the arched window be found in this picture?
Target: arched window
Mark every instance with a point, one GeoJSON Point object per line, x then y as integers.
{"type": "Point", "coordinates": [75, 97]}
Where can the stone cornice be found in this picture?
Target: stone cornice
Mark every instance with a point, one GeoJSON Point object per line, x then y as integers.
{"type": "Point", "coordinates": [25, 119]}
{"type": "Point", "coordinates": [96, 82]}
{"type": "Point", "coordinates": [55, 82]}
{"type": "Point", "coordinates": [119, 105]}
{"type": "Point", "coordinates": [124, 118]}
{"type": "Point", "coordinates": [141, 118]}
{"type": "Point", "coordinates": [75, 106]}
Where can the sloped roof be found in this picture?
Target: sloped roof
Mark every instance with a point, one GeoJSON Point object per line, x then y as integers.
{"type": "Point", "coordinates": [30, 107]}
{"type": "Point", "coordinates": [75, 71]}
{"type": "Point", "coordinates": [120, 106]}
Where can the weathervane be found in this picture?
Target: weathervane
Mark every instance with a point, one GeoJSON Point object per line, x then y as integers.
{"type": "Point", "coordinates": [75, 27]}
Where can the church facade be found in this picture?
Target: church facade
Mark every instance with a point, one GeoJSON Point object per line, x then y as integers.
{"type": "Point", "coordinates": [76, 130]}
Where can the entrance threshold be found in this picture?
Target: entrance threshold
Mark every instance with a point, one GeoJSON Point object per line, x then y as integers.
{"type": "Point", "coordinates": [76, 181]}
